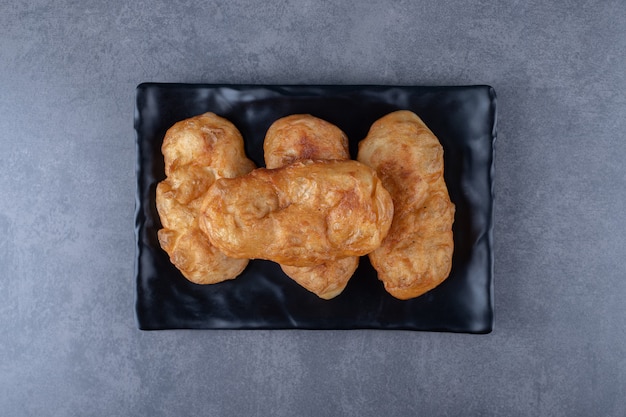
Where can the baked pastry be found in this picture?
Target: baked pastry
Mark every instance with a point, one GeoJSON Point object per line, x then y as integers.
{"type": "Point", "coordinates": [197, 151]}
{"type": "Point", "coordinates": [302, 214]}
{"type": "Point", "coordinates": [416, 254]}
{"type": "Point", "coordinates": [302, 136]}
{"type": "Point", "coordinates": [298, 137]}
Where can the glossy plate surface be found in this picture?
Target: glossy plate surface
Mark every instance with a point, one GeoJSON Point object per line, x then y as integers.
{"type": "Point", "coordinates": [464, 120]}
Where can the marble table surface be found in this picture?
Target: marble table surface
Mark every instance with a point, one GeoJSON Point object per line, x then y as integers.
{"type": "Point", "coordinates": [70, 344]}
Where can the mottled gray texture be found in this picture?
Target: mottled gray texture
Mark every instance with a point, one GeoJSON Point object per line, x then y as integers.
{"type": "Point", "coordinates": [69, 343]}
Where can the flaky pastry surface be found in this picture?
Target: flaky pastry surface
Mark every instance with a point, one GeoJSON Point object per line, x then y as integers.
{"type": "Point", "coordinates": [299, 137]}
{"type": "Point", "coordinates": [416, 255]}
{"type": "Point", "coordinates": [302, 214]}
{"type": "Point", "coordinates": [327, 280]}
{"type": "Point", "coordinates": [196, 152]}
{"type": "Point", "coordinates": [302, 136]}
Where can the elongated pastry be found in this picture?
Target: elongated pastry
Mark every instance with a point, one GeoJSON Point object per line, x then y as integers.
{"type": "Point", "coordinates": [302, 136]}
{"type": "Point", "coordinates": [302, 214]}
{"type": "Point", "coordinates": [197, 151]}
{"type": "Point", "coordinates": [416, 255]}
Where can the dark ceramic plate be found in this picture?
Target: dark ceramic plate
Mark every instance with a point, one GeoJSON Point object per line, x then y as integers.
{"type": "Point", "coordinates": [463, 118]}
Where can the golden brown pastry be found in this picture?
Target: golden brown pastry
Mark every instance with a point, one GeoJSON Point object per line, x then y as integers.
{"type": "Point", "coordinates": [302, 136]}
{"type": "Point", "coordinates": [196, 152]}
{"type": "Point", "coordinates": [302, 214]}
{"type": "Point", "coordinates": [298, 137]}
{"type": "Point", "coordinates": [416, 255]}
{"type": "Point", "coordinates": [326, 280]}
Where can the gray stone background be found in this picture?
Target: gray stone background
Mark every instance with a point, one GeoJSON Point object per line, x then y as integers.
{"type": "Point", "coordinates": [69, 344]}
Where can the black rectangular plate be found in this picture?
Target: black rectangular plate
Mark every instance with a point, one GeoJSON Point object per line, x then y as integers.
{"type": "Point", "coordinates": [462, 117]}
